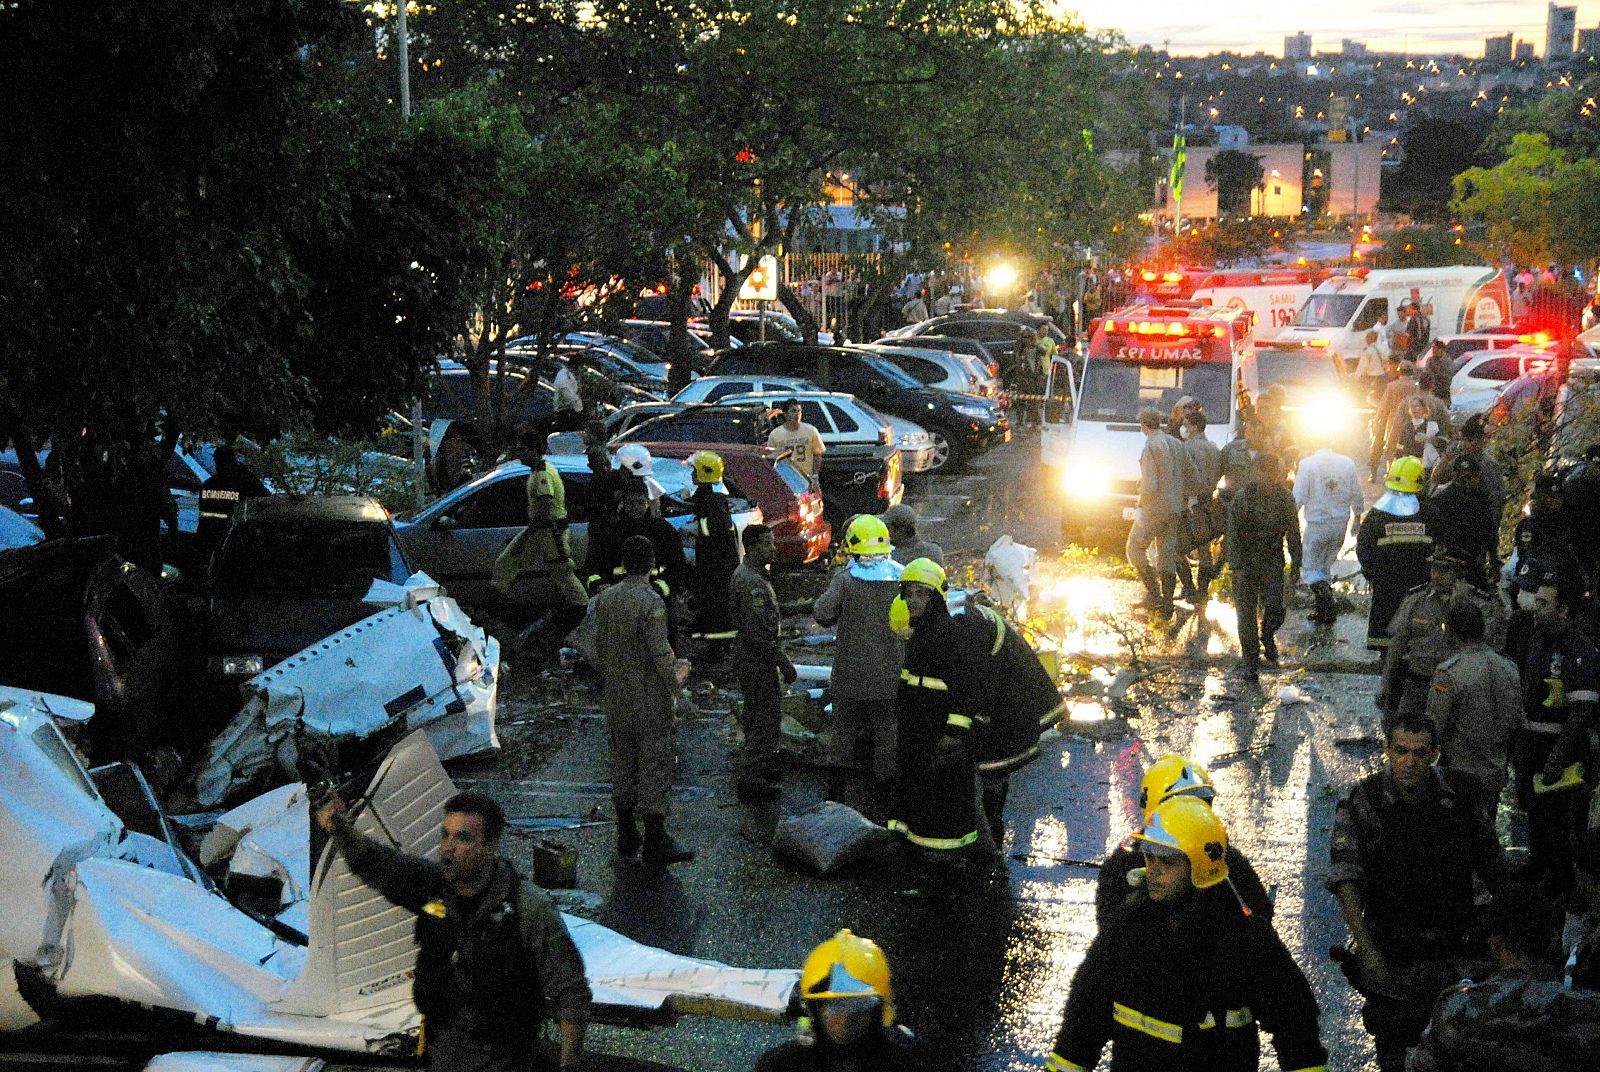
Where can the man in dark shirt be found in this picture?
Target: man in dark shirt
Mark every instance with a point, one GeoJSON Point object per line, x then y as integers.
{"type": "Point", "coordinates": [1407, 842]}
{"type": "Point", "coordinates": [759, 659]}
{"type": "Point", "coordinates": [1262, 524]}
{"type": "Point", "coordinates": [494, 958]}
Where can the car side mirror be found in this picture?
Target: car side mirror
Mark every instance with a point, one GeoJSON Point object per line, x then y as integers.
{"type": "Point", "coordinates": [447, 522]}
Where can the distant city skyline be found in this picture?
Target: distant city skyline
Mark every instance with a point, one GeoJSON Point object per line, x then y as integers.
{"type": "Point", "coordinates": [1197, 27]}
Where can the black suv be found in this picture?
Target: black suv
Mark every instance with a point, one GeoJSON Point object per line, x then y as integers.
{"type": "Point", "coordinates": [960, 425]}
{"type": "Point", "coordinates": [290, 572]}
{"type": "Point", "coordinates": [997, 329]}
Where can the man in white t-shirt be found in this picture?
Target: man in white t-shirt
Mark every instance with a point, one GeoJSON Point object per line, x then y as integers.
{"type": "Point", "coordinates": [801, 440]}
{"type": "Point", "coordinates": [569, 393]}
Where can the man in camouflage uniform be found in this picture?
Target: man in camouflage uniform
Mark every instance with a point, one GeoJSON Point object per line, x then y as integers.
{"type": "Point", "coordinates": [759, 660]}
{"type": "Point", "coordinates": [1475, 703]}
{"type": "Point", "coordinates": [642, 678]}
{"type": "Point", "coordinates": [1417, 643]}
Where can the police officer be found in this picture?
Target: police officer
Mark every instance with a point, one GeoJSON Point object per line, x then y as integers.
{"type": "Point", "coordinates": [494, 959]}
{"type": "Point", "coordinates": [1122, 873]}
{"type": "Point", "coordinates": [760, 662]}
{"type": "Point", "coordinates": [935, 793]}
{"type": "Point", "coordinates": [716, 554]}
{"type": "Point", "coordinates": [1181, 976]}
{"type": "Point", "coordinates": [1393, 545]}
{"type": "Point", "coordinates": [849, 1021]}
{"type": "Point", "coordinates": [866, 666]}
{"type": "Point", "coordinates": [1560, 691]}
{"type": "Point", "coordinates": [1262, 526]}
{"type": "Point", "coordinates": [1417, 643]}
{"type": "Point", "coordinates": [641, 684]}
{"type": "Point", "coordinates": [1475, 703]}
{"type": "Point", "coordinates": [540, 552]}
{"type": "Point", "coordinates": [1407, 844]}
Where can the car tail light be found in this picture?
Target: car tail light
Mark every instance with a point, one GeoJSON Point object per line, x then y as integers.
{"type": "Point", "coordinates": [885, 437]}
{"type": "Point", "coordinates": [891, 477]}
{"type": "Point", "coordinates": [994, 368]}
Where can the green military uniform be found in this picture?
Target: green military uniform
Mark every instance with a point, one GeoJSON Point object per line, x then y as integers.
{"type": "Point", "coordinates": [758, 659]}
{"type": "Point", "coordinates": [1475, 705]}
{"type": "Point", "coordinates": [638, 665]}
{"type": "Point", "coordinates": [541, 551]}
{"type": "Point", "coordinates": [1417, 644]}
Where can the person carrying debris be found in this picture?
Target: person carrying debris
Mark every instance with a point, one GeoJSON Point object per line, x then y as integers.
{"type": "Point", "coordinates": [1122, 874]}
{"type": "Point", "coordinates": [540, 552]}
{"type": "Point", "coordinates": [716, 554]}
{"type": "Point", "coordinates": [1184, 977]}
{"type": "Point", "coordinates": [866, 666]}
{"type": "Point", "coordinates": [494, 959]}
{"type": "Point", "coordinates": [849, 1021]}
{"type": "Point", "coordinates": [759, 659]}
{"type": "Point", "coordinates": [642, 679]}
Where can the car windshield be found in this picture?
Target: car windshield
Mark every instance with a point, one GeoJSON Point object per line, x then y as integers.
{"type": "Point", "coordinates": [717, 426]}
{"type": "Point", "coordinates": [890, 371]}
{"type": "Point", "coordinates": [1118, 390]}
{"type": "Point", "coordinates": [1327, 311]}
{"type": "Point", "coordinates": [1295, 371]}
{"type": "Point", "coordinates": [315, 558]}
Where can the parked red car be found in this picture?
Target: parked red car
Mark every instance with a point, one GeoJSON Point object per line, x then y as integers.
{"type": "Point", "coordinates": [789, 505]}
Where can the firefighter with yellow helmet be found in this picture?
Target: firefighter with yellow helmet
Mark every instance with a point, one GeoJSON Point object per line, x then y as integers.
{"type": "Point", "coordinates": [1122, 874]}
{"type": "Point", "coordinates": [716, 554]}
{"type": "Point", "coordinates": [848, 1021]}
{"type": "Point", "coordinates": [866, 664]}
{"type": "Point", "coordinates": [1182, 979]}
{"type": "Point", "coordinates": [935, 777]}
{"type": "Point", "coordinates": [1393, 545]}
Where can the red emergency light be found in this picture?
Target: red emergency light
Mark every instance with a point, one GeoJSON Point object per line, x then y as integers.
{"type": "Point", "coordinates": [1174, 329]}
{"type": "Point", "coordinates": [1538, 338]}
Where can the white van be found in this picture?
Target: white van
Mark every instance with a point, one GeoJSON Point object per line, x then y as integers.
{"type": "Point", "coordinates": [1273, 295]}
{"type": "Point", "coordinates": [1342, 309]}
{"type": "Point", "coordinates": [1138, 356]}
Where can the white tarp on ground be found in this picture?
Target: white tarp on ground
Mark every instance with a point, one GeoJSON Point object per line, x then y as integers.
{"type": "Point", "coordinates": [420, 660]}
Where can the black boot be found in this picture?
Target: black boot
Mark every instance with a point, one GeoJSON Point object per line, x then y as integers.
{"type": "Point", "coordinates": [629, 839]}
{"type": "Point", "coordinates": [1269, 649]}
{"type": "Point", "coordinates": [1327, 611]}
{"type": "Point", "coordinates": [659, 848]}
{"type": "Point", "coordinates": [994, 811]}
{"type": "Point", "coordinates": [1187, 591]}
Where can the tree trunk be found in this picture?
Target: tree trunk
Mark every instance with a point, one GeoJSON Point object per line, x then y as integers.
{"type": "Point", "coordinates": [51, 511]}
{"type": "Point", "coordinates": [797, 309]}
{"type": "Point", "coordinates": [678, 367]}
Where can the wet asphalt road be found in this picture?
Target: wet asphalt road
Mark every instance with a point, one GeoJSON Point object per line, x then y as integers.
{"type": "Point", "coordinates": [982, 962]}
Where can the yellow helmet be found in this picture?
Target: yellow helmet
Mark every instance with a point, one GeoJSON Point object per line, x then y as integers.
{"type": "Point", "coordinates": [1405, 474]}
{"type": "Point", "coordinates": [867, 535]}
{"type": "Point", "coordinates": [924, 571]}
{"type": "Point", "coordinates": [848, 966]}
{"type": "Point", "coordinates": [1189, 826]}
{"type": "Point", "coordinates": [1174, 776]}
{"type": "Point", "coordinates": [707, 467]}
{"type": "Point", "coordinates": [900, 618]}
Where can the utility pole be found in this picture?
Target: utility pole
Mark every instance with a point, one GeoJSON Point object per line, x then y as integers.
{"type": "Point", "coordinates": [1180, 159]}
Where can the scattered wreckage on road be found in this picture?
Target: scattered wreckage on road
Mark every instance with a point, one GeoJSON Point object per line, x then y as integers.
{"type": "Point", "coordinates": [245, 938]}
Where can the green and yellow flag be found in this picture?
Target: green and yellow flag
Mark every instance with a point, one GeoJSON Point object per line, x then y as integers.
{"type": "Point", "coordinates": [1180, 156]}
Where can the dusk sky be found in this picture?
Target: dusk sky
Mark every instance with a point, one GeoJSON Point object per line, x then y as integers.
{"type": "Point", "coordinates": [1193, 27]}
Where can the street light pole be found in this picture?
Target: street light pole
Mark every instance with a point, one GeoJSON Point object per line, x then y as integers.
{"type": "Point", "coordinates": [419, 451]}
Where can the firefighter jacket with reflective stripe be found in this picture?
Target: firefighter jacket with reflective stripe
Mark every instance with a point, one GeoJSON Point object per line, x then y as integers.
{"type": "Point", "coordinates": [934, 779]}
{"type": "Point", "coordinates": [1013, 697]}
{"type": "Point", "coordinates": [716, 556]}
{"type": "Point", "coordinates": [1182, 987]}
{"type": "Point", "coordinates": [1393, 550]}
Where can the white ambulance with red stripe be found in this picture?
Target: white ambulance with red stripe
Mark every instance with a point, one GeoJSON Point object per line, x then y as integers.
{"type": "Point", "coordinates": [1272, 295]}
{"type": "Point", "coordinates": [1140, 355]}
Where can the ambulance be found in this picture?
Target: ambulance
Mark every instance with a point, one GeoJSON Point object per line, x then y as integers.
{"type": "Point", "coordinates": [1138, 356]}
{"type": "Point", "coordinates": [1273, 295]}
{"type": "Point", "coordinates": [1336, 317]}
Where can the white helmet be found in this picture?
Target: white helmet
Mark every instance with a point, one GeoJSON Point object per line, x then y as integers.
{"type": "Point", "coordinates": [636, 459]}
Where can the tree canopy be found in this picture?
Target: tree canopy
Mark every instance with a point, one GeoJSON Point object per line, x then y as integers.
{"type": "Point", "coordinates": [1538, 204]}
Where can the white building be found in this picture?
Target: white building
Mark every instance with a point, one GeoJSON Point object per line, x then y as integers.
{"type": "Point", "coordinates": [1298, 46]}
